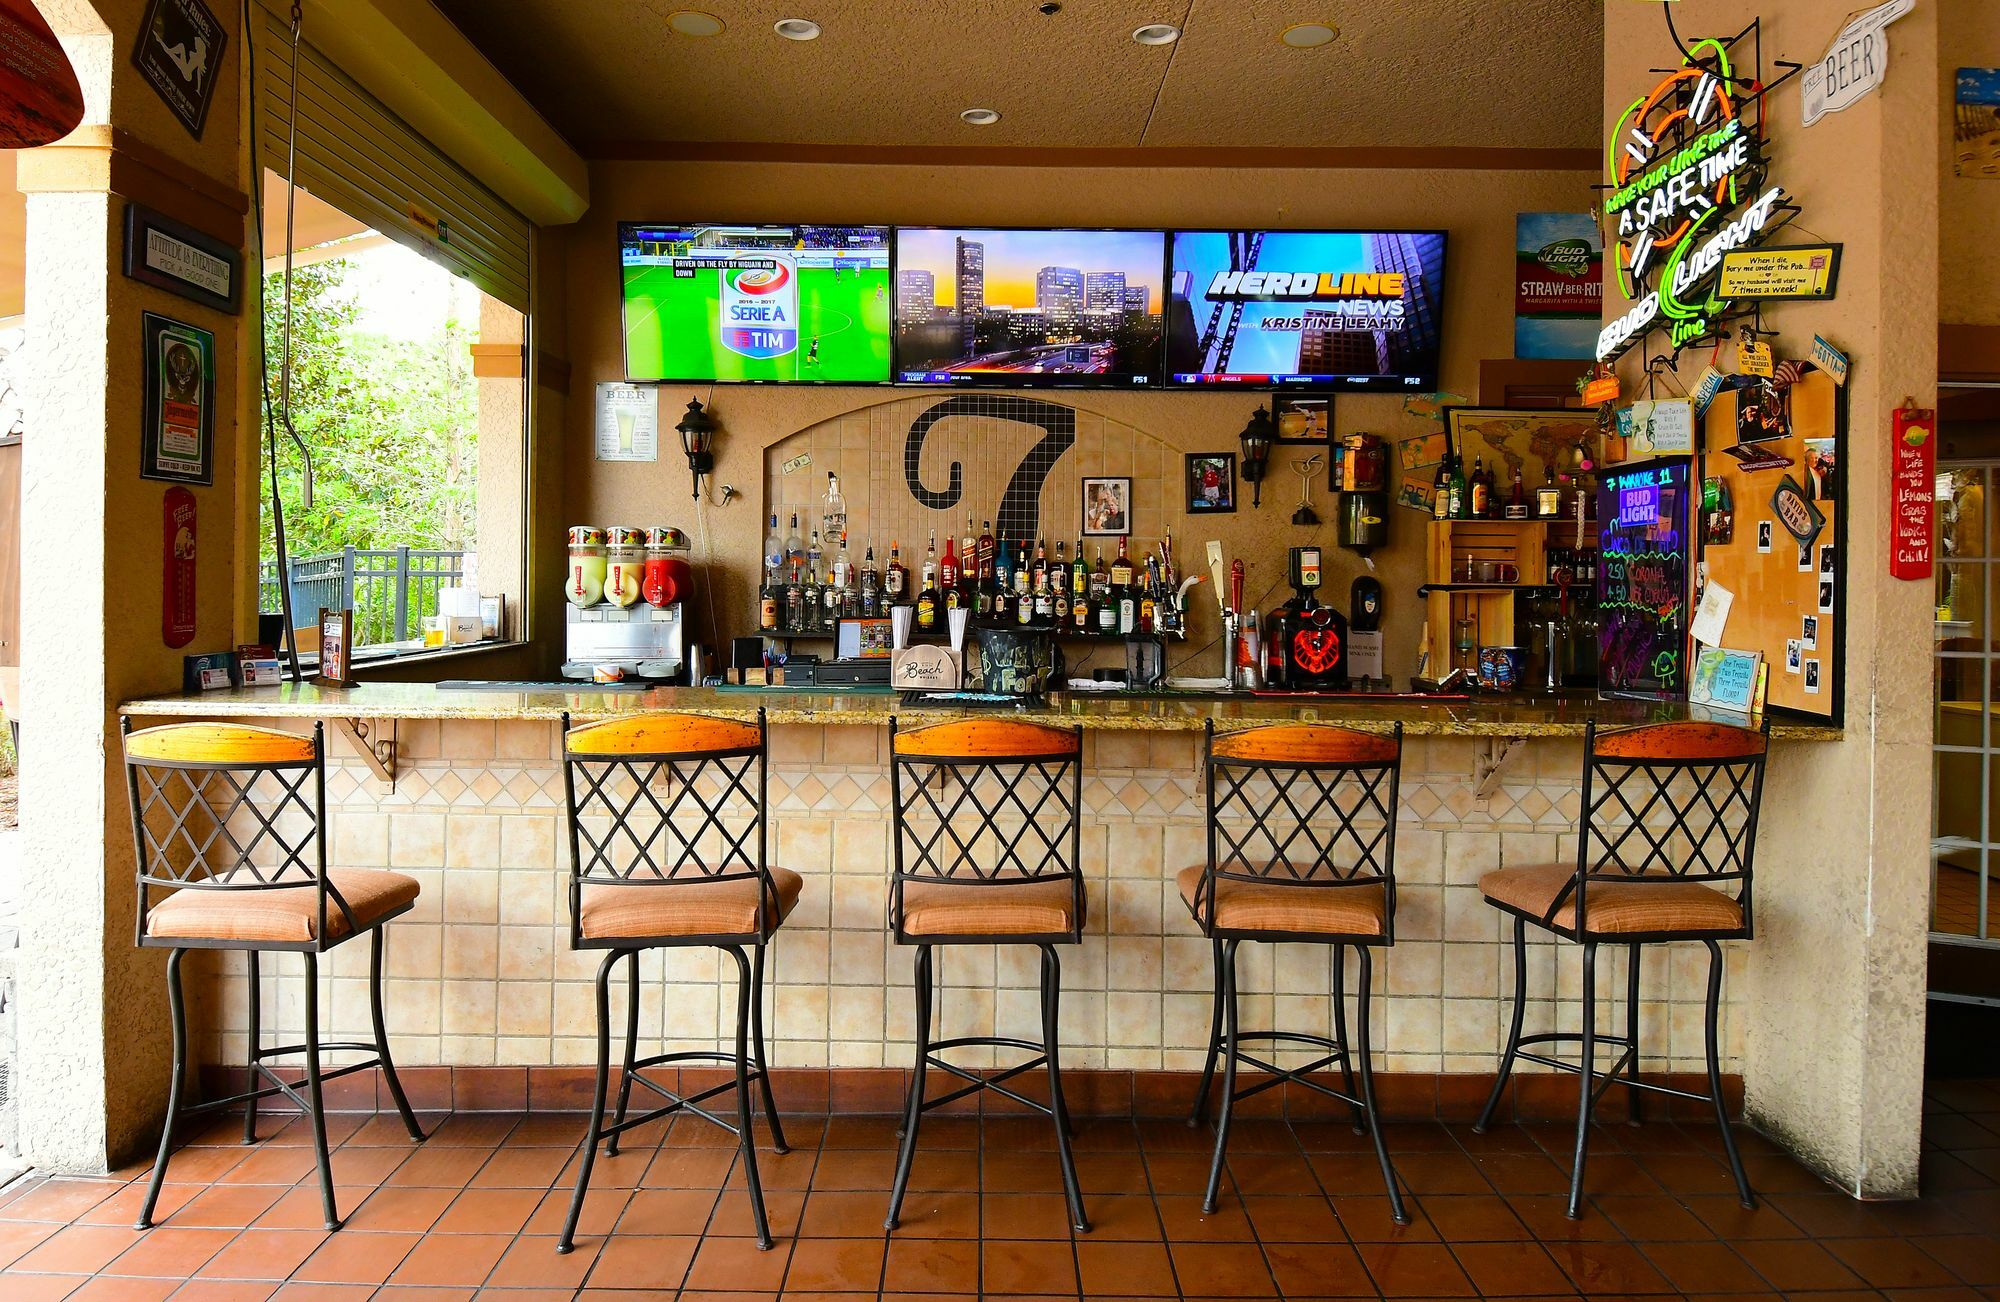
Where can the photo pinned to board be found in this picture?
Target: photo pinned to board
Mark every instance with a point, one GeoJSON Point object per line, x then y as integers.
{"type": "Point", "coordinates": [1764, 537]}
{"type": "Point", "coordinates": [1826, 560]}
{"type": "Point", "coordinates": [1812, 678]}
{"type": "Point", "coordinates": [1809, 632]}
{"type": "Point", "coordinates": [1805, 558]}
{"type": "Point", "coordinates": [1826, 596]}
{"type": "Point", "coordinates": [1793, 654]}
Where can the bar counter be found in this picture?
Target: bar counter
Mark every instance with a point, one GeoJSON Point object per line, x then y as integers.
{"type": "Point", "coordinates": [1111, 711]}
{"type": "Point", "coordinates": [462, 788]}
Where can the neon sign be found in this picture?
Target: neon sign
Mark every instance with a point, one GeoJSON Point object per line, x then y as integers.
{"type": "Point", "coordinates": [1687, 181]}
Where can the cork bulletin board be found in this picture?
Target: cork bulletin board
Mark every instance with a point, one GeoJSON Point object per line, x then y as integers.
{"type": "Point", "coordinates": [1779, 597]}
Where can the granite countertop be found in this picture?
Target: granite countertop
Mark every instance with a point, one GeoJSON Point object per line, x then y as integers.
{"type": "Point", "coordinates": [1489, 717]}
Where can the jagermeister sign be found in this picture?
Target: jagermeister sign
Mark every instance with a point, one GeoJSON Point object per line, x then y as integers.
{"type": "Point", "coordinates": [1687, 182]}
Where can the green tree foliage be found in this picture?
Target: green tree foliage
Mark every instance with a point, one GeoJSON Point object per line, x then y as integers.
{"type": "Point", "coordinates": [391, 423]}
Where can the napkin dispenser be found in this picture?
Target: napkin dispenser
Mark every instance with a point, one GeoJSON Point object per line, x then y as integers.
{"type": "Point", "coordinates": [925, 667]}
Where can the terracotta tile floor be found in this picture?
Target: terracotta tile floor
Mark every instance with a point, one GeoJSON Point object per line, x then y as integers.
{"type": "Point", "coordinates": [477, 1208]}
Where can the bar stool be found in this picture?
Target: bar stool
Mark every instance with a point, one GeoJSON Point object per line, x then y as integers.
{"type": "Point", "coordinates": [1669, 823]}
{"type": "Point", "coordinates": [1301, 847]}
{"type": "Point", "coordinates": [985, 813]}
{"type": "Point", "coordinates": [230, 820]}
{"type": "Point", "coordinates": [667, 846]}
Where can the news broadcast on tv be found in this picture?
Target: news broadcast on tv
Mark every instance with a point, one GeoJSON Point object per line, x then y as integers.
{"type": "Point", "coordinates": [749, 303]}
{"type": "Point", "coordinates": [1358, 311]}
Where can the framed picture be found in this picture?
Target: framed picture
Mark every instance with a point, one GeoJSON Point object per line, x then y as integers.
{"type": "Point", "coordinates": [180, 55]}
{"type": "Point", "coordinates": [1303, 418]}
{"type": "Point", "coordinates": [492, 618]}
{"type": "Point", "coordinates": [165, 254]}
{"type": "Point", "coordinates": [177, 433]}
{"type": "Point", "coordinates": [1507, 437]}
{"type": "Point", "coordinates": [1107, 507]}
{"type": "Point", "coordinates": [336, 646]}
{"type": "Point", "coordinates": [1211, 483]}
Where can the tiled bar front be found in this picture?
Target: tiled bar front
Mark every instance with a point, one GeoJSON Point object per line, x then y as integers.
{"type": "Point", "coordinates": [480, 975]}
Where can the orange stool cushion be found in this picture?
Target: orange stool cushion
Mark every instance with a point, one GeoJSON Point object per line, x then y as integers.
{"type": "Point", "coordinates": [685, 907]}
{"type": "Point", "coordinates": [1025, 907]}
{"type": "Point", "coordinates": [283, 915]}
{"type": "Point", "coordinates": [1613, 907]}
{"type": "Point", "coordinates": [1283, 905]}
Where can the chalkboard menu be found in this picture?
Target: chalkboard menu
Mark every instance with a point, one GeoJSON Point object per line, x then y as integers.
{"type": "Point", "coordinates": [1642, 580]}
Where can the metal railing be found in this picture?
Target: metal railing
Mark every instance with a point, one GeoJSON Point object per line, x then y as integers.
{"type": "Point", "coordinates": [391, 590]}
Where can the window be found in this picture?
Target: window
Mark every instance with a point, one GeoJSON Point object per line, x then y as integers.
{"type": "Point", "coordinates": [418, 463]}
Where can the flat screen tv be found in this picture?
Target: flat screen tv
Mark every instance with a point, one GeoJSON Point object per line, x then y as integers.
{"type": "Point", "coordinates": [1351, 311]}
{"type": "Point", "coordinates": [747, 303]}
{"type": "Point", "coordinates": [1014, 308]}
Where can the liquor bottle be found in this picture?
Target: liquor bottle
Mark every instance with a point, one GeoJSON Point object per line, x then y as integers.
{"type": "Point", "coordinates": [1024, 580]}
{"type": "Point", "coordinates": [947, 572]}
{"type": "Point", "coordinates": [871, 586]}
{"type": "Point", "coordinates": [1059, 586]}
{"type": "Point", "coordinates": [795, 603]}
{"type": "Point", "coordinates": [831, 596]}
{"type": "Point", "coordinates": [1460, 498]}
{"type": "Point", "coordinates": [984, 554]}
{"type": "Point", "coordinates": [1079, 575]}
{"type": "Point", "coordinates": [774, 555]}
{"type": "Point", "coordinates": [810, 621]}
{"type": "Point", "coordinates": [1441, 490]}
{"type": "Point", "coordinates": [927, 602]}
{"type": "Point", "coordinates": [968, 556]}
{"type": "Point", "coordinates": [1128, 607]}
{"type": "Point", "coordinates": [1100, 595]}
{"type": "Point", "coordinates": [833, 508]}
{"type": "Point", "coordinates": [843, 565]}
{"type": "Point", "coordinates": [929, 575]}
{"type": "Point", "coordinates": [1121, 569]}
{"type": "Point", "coordinates": [768, 600]}
{"type": "Point", "coordinates": [1148, 606]}
{"type": "Point", "coordinates": [1517, 498]}
{"type": "Point", "coordinates": [1045, 601]}
{"type": "Point", "coordinates": [1548, 498]}
{"type": "Point", "coordinates": [1024, 602]}
{"type": "Point", "coordinates": [1482, 496]}
{"type": "Point", "coordinates": [814, 555]}
{"type": "Point", "coordinates": [1002, 586]}
{"type": "Point", "coordinates": [795, 547]}
{"type": "Point", "coordinates": [1079, 606]}
{"type": "Point", "coordinates": [895, 579]}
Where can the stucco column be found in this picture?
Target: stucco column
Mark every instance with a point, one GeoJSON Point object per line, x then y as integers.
{"type": "Point", "coordinates": [94, 1049]}
{"type": "Point", "coordinates": [1834, 1049]}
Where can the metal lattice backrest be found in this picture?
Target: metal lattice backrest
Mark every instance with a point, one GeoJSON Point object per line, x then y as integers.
{"type": "Point", "coordinates": [666, 798]}
{"type": "Point", "coordinates": [1304, 804]}
{"type": "Point", "coordinates": [986, 800]}
{"type": "Point", "coordinates": [226, 806]}
{"type": "Point", "coordinates": [1672, 802]}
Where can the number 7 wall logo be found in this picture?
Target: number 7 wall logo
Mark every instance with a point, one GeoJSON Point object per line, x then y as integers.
{"type": "Point", "coordinates": [1020, 507]}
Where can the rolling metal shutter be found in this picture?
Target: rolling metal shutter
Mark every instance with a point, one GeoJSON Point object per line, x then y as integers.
{"type": "Point", "coordinates": [358, 156]}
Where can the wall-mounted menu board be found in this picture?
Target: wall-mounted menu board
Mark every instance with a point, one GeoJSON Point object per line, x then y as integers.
{"type": "Point", "coordinates": [1787, 595]}
{"type": "Point", "coordinates": [1642, 579]}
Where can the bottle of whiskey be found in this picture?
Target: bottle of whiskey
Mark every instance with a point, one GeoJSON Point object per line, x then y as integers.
{"type": "Point", "coordinates": [1121, 569]}
{"type": "Point", "coordinates": [768, 600]}
{"type": "Point", "coordinates": [1059, 586]}
{"type": "Point", "coordinates": [984, 555]}
{"type": "Point", "coordinates": [927, 601]}
{"type": "Point", "coordinates": [895, 579]}
{"type": "Point", "coordinates": [1024, 580]}
{"type": "Point", "coordinates": [871, 585]}
{"type": "Point", "coordinates": [947, 576]}
{"type": "Point", "coordinates": [1441, 490]}
{"type": "Point", "coordinates": [1482, 492]}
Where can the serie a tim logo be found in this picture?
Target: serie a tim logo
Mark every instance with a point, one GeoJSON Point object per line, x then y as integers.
{"type": "Point", "coordinates": [760, 308]}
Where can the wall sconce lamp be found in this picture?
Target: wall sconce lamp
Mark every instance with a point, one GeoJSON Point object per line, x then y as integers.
{"type": "Point", "coordinates": [697, 430]}
{"type": "Point", "coordinates": [1257, 438]}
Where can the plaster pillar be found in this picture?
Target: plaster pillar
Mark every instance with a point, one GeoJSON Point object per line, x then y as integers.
{"type": "Point", "coordinates": [1834, 1048]}
{"type": "Point", "coordinates": [94, 1050]}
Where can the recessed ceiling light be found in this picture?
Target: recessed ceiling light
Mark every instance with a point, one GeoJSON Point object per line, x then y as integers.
{"type": "Point", "coordinates": [693, 22]}
{"type": "Point", "coordinates": [980, 117]}
{"type": "Point", "coordinates": [1304, 36]}
{"type": "Point", "coordinates": [1157, 34]}
{"type": "Point", "coordinates": [796, 29]}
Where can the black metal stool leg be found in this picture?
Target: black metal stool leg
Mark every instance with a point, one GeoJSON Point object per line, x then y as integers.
{"type": "Point", "coordinates": [178, 1014]}
{"type": "Point", "coordinates": [1228, 978]}
{"type": "Point", "coordinates": [746, 1135]}
{"type": "Point", "coordinates": [1587, 1075]}
{"type": "Point", "coordinates": [1214, 1043]}
{"type": "Point", "coordinates": [314, 1096]}
{"type": "Point", "coordinates": [1635, 1107]}
{"type": "Point", "coordinates": [914, 1115]}
{"type": "Point", "coordinates": [587, 1155]}
{"type": "Point", "coordinates": [1058, 1108]}
{"type": "Point", "coordinates": [250, 1062]}
{"type": "Point", "coordinates": [763, 1066]}
{"type": "Point", "coordinates": [1711, 1017]}
{"type": "Point", "coordinates": [631, 1050]}
{"type": "Point", "coordinates": [1513, 1030]}
{"type": "Point", "coordinates": [380, 939]}
{"type": "Point", "coordinates": [1363, 1051]}
{"type": "Point", "coordinates": [1340, 1033]}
